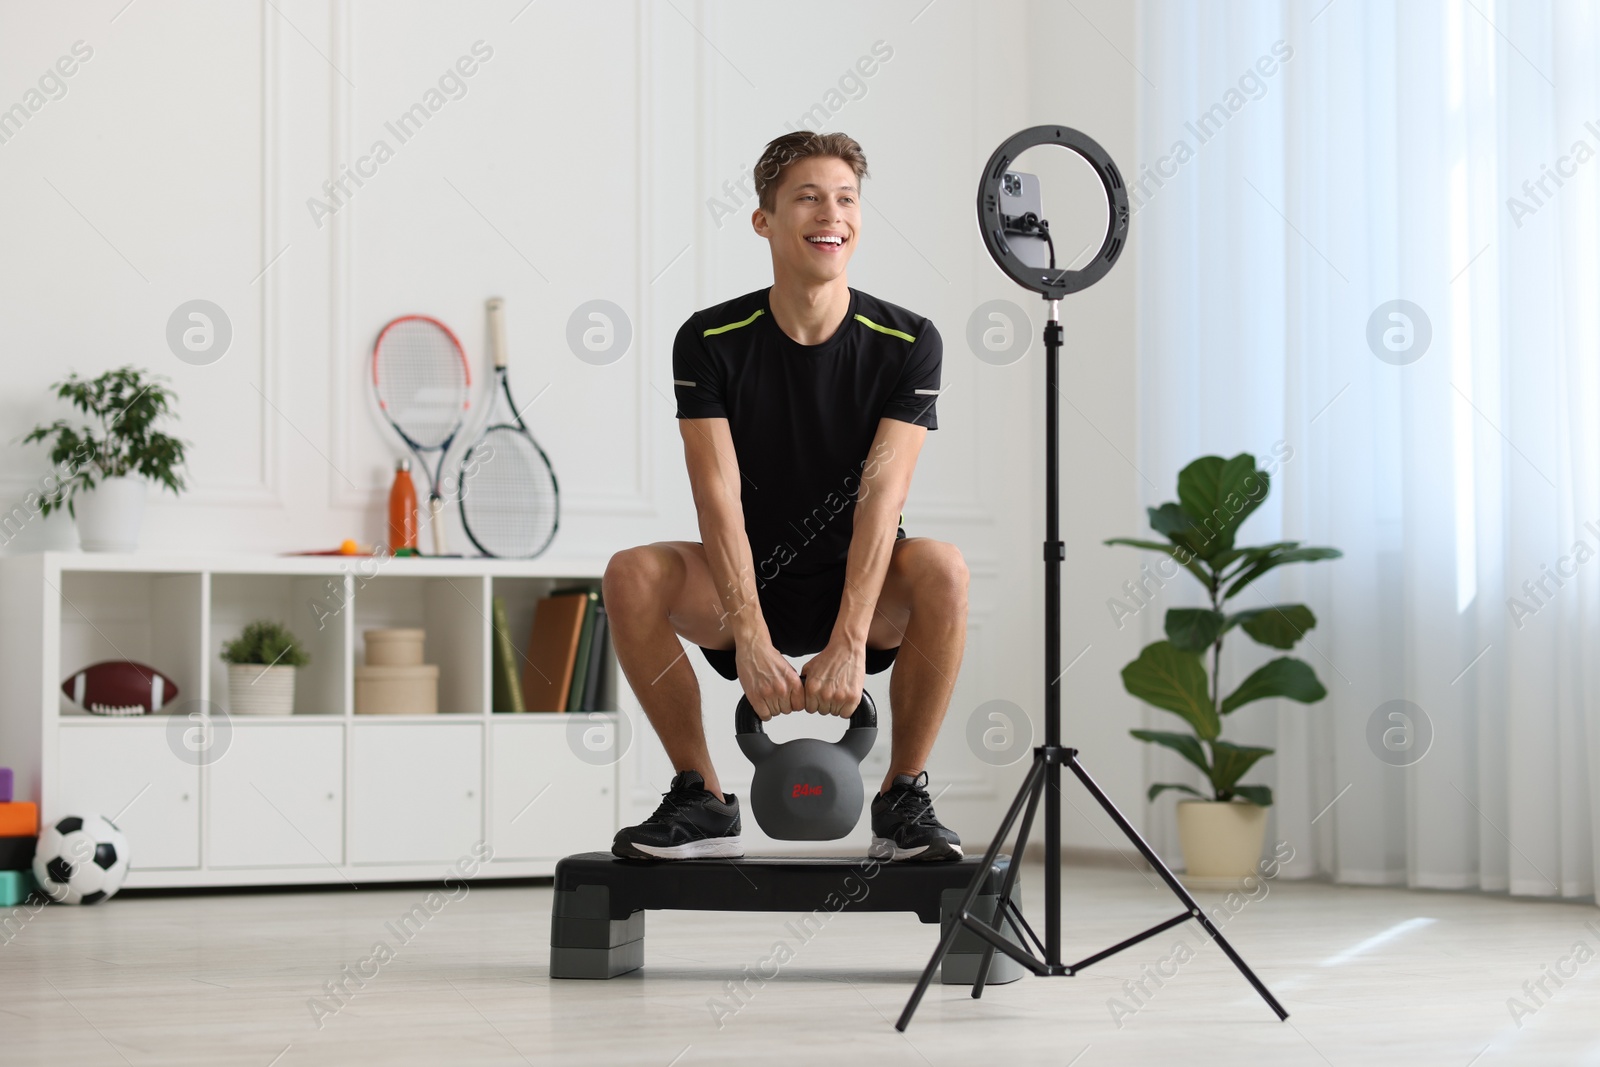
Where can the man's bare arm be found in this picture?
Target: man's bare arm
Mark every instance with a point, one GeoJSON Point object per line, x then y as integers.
{"type": "Point", "coordinates": [768, 679]}
{"type": "Point", "coordinates": [714, 480]}
{"type": "Point", "coordinates": [885, 483]}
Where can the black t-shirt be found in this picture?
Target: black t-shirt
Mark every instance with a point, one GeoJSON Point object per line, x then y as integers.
{"type": "Point", "coordinates": [803, 416]}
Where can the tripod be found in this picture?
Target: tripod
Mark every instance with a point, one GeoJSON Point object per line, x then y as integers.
{"type": "Point", "coordinates": [1045, 775]}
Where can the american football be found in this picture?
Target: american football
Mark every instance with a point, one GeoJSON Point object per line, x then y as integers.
{"type": "Point", "coordinates": [120, 687]}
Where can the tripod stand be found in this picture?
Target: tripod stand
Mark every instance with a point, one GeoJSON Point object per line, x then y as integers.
{"type": "Point", "coordinates": [1045, 776]}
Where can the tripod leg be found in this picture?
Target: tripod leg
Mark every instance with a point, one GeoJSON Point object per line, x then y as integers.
{"type": "Point", "coordinates": [1020, 922]}
{"type": "Point", "coordinates": [1176, 886]}
{"type": "Point", "coordinates": [1002, 905]}
{"type": "Point", "coordinates": [1030, 785]}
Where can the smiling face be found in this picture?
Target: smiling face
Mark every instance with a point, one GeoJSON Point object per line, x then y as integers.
{"type": "Point", "coordinates": [814, 221]}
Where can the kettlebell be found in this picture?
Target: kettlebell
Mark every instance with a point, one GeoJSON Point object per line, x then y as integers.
{"type": "Point", "coordinates": [806, 789]}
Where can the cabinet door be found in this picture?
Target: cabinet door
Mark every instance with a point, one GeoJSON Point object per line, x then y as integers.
{"type": "Point", "coordinates": [128, 774]}
{"type": "Point", "coordinates": [547, 802]}
{"type": "Point", "coordinates": [276, 797]}
{"type": "Point", "coordinates": [416, 792]}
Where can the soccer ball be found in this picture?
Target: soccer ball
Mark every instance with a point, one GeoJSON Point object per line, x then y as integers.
{"type": "Point", "coordinates": [82, 859]}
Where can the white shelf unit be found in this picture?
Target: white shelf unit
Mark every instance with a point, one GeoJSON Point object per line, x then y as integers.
{"type": "Point", "coordinates": [322, 795]}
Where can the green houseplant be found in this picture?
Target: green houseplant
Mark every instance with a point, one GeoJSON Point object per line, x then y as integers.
{"type": "Point", "coordinates": [261, 664]}
{"type": "Point", "coordinates": [103, 465]}
{"type": "Point", "coordinates": [1215, 496]}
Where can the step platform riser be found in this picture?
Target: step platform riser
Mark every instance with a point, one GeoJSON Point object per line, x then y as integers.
{"type": "Point", "coordinates": [597, 919]}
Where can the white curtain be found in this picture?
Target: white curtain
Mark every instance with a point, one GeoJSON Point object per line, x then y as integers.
{"type": "Point", "coordinates": [1442, 153]}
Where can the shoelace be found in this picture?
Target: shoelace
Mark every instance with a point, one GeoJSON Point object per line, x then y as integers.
{"type": "Point", "coordinates": [914, 802]}
{"type": "Point", "coordinates": [674, 800]}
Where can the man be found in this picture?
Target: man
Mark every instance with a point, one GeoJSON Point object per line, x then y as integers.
{"type": "Point", "coordinates": [802, 410]}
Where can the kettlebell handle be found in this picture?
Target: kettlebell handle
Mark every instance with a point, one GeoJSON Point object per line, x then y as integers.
{"type": "Point", "coordinates": [746, 721]}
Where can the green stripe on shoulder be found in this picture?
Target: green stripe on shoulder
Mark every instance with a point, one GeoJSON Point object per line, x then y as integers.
{"type": "Point", "coordinates": [734, 325]}
{"type": "Point", "coordinates": [869, 324]}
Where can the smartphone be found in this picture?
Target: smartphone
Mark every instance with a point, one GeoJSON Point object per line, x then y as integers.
{"type": "Point", "coordinates": [1019, 194]}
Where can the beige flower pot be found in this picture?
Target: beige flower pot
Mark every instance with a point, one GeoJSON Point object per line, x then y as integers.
{"type": "Point", "coordinates": [1221, 841]}
{"type": "Point", "coordinates": [257, 690]}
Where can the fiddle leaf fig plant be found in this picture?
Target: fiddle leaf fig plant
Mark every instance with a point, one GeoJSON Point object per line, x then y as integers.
{"type": "Point", "coordinates": [1215, 496]}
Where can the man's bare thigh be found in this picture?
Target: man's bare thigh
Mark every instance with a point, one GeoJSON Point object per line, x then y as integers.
{"type": "Point", "coordinates": [698, 615]}
{"type": "Point", "coordinates": [696, 611]}
{"type": "Point", "coordinates": [892, 613]}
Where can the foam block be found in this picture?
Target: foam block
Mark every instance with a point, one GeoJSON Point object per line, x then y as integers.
{"type": "Point", "coordinates": [5, 785]}
{"type": "Point", "coordinates": [16, 853]}
{"type": "Point", "coordinates": [15, 886]}
{"type": "Point", "coordinates": [19, 818]}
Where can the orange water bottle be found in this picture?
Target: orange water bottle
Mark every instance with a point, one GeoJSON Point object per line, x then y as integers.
{"type": "Point", "coordinates": [403, 511]}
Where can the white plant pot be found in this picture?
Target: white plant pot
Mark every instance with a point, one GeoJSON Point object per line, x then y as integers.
{"type": "Point", "coordinates": [109, 515]}
{"type": "Point", "coordinates": [257, 690]}
{"type": "Point", "coordinates": [1221, 841]}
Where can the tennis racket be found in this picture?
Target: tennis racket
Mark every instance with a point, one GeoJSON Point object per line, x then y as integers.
{"type": "Point", "coordinates": [423, 385]}
{"type": "Point", "coordinates": [510, 503]}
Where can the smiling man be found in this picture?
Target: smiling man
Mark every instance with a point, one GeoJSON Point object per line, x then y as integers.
{"type": "Point", "coordinates": [802, 408]}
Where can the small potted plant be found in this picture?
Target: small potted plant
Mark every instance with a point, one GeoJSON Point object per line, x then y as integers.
{"type": "Point", "coordinates": [261, 664]}
{"type": "Point", "coordinates": [101, 468]}
{"type": "Point", "coordinates": [1221, 831]}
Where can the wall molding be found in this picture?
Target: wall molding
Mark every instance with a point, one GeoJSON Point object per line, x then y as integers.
{"type": "Point", "coordinates": [269, 489]}
{"type": "Point", "coordinates": [341, 108]}
{"type": "Point", "coordinates": [347, 373]}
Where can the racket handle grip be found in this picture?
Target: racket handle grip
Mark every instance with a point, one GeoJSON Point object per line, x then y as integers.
{"type": "Point", "coordinates": [497, 331]}
{"type": "Point", "coordinates": [436, 520]}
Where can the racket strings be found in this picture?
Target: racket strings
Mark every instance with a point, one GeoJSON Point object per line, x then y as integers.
{"type": "Point", "coordinates": [508, 494]}
{"type": "Point", "coordinates": [421, 380]}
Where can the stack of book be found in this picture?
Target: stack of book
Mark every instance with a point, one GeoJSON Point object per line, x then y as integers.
{"type": "Point", "coordinates": [562, 668]}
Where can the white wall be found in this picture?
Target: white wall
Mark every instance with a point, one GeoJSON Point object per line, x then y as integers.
{"type": "Point", "coordinates": [581, 163]}
{"type": "Point", "coordinates": [1080, 74]}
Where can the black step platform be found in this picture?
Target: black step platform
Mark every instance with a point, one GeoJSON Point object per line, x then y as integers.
{"type": "Point", "coordinates": [597, 921]}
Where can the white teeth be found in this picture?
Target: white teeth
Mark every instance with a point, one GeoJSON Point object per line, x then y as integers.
{"type": "Point", "coordinates": [826, 240]}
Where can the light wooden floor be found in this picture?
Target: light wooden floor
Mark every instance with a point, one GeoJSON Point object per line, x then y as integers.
{"type": "Point", "coordinates": [1369, 977]}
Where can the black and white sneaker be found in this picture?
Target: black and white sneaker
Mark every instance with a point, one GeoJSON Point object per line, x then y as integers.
{"type": "Point", "coordinates": [690, 824]}
{"type": "Point", "coordinates": [904, 826]}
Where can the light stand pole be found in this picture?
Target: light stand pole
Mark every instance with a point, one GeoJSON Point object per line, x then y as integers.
{"type": "Point", "coordinates": [1055, 551]}
{"type": "Point", "coordinates": [1044, 774]}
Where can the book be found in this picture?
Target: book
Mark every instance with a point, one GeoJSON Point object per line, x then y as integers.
{"type": "Point", "coordinates": [507, 679]}
{"type": "Point", "coordinates": [553, 651]}
{"type": "Point", "coordinates": [592, 688]}
{"type": "Point", "coordinates": [580, 669]}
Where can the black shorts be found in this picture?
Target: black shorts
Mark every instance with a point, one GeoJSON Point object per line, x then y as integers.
{"type": "Point", "coordinates": [800, 611]}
